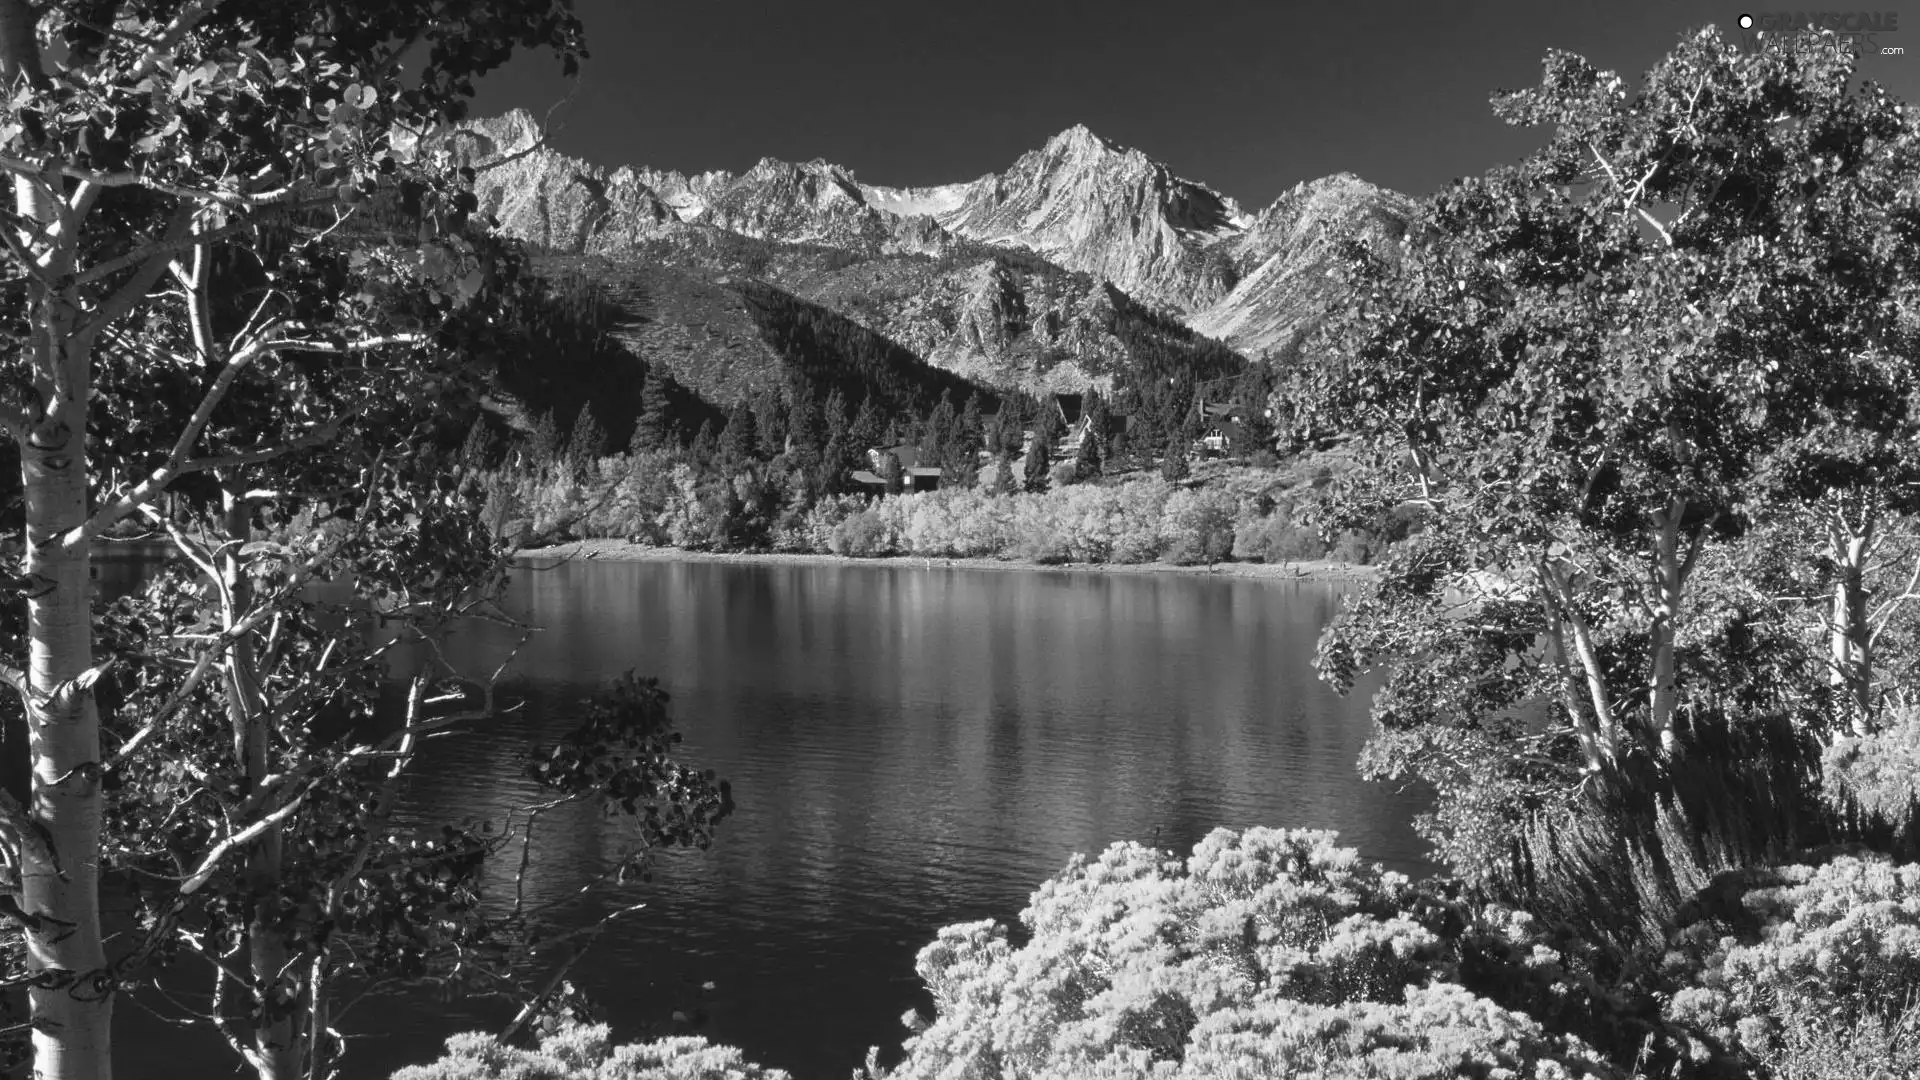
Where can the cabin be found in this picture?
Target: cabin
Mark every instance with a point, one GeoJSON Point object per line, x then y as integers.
{"type": "Point", "coordinates": [914, 476]}
{"type": "Point", "coordinates": [1223, 428]}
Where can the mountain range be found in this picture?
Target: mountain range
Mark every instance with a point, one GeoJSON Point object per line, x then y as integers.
{"type": "Point", "coordinates": [1020, 279]}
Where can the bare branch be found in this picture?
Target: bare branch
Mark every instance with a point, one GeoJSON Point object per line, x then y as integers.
{"type": "Point", "coordinates": [244, 836]}
{"type": "Point", "coordinates": [135, 288]}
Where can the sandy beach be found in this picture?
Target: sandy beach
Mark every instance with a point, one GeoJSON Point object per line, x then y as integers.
{"type": "Point", "coordinates": [622, 551]}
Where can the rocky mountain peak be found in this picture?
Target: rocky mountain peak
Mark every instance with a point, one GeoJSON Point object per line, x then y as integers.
{"type": "Point", "coordinates": [1081, 201]}
{"type": "Point", "coordinates": [512, 132]}
{"type": "Point", "coordinates": [1081, 138]}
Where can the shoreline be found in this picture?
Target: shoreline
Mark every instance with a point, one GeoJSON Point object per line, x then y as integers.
{"type": "Point", "coordinates": [612, 550]}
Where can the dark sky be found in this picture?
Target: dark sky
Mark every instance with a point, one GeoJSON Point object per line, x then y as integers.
{"type": "Point", "coordinates": [1249, 97]}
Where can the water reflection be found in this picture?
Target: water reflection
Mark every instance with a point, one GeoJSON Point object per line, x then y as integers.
{"type": "Point", "coordinates": [909, 748]}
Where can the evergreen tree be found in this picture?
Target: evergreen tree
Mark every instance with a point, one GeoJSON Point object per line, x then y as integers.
{"type": "Point", "coordinates": [1003, 481]}
{"type": "Point", "coordinates": [706, 446]}
{"type": "Point", "coordinates": [654, 428]}
{"type": "Point", "coordinates": [478, 450]}
{"type": "Point", "coordinates": [892, 473]}
{"type": "Point", "coordinates": [1174, 467]}
{"type": "Point", "coordinates": [804, 423]}
{"type": "Point", "coordinates": [543, 442]}
{"type": "Point", "coordinates": [938, 432]}
{"type": "Point", "coordinates": [1144, 433]}
{"type": "Point", "coordinates": [1039, 461]}
{"type": "Point", "coordinates": [588, 441]}
{"type": "Point", "coordinates": [834, 413]}
{"type": "Point", "coordinates": [967, 433]}
{"type": "Point", "coordinates": [868, 431]}
{"type": "Point", "coordinates": [835, 463]}
{"type": "Point", "coordinates": [740, 441]}
{"type": "Point", "coordinates": [771, 417]}
{"type": "Point", "coordinates": [1047, 424]}
{"type": "Point", "coordinates": [1087, 461]}
{"type": "Point", "coordinates": [1099, 418]}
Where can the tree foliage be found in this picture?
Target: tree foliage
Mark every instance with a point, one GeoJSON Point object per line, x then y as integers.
{"type": "Point", "coordinates": [1687, 313]}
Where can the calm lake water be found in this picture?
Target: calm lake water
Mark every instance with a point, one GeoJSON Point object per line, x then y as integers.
{"type": "Point", "coordinates": [908, 748]}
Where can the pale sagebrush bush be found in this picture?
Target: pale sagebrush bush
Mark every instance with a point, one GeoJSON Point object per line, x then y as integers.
{"type": "Point", "coordinates": [1267, 953]}
{"type": "Point", "coordinates": [1840, 941]}
{"type": "Point", "coordinates": [1196, 526]}
{"type": "Point", "coordinates": [1881, 772]}
{"type": "Point", "coordinates": [1811, 1045]}
{"type": "Point", "coordinates": [585, 1052]}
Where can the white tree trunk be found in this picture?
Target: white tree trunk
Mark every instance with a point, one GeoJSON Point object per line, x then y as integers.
{"type": "Point", "coordinates": [72, 1008]}
{"type": "Point", "coordinates": [276, 1051]}
{"type": "Point", "coordinates": [1669, 577]}
{"type": "Point", "coordinates": [1850, 639]}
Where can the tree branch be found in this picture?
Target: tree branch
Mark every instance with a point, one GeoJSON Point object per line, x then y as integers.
{"type": "Point", "coordinates": [225, 847]}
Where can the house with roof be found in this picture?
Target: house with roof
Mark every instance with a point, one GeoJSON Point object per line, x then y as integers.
{"type": "Point", "coordinates": [1225, 426]}
{"type": "Point", "coordinates": [914, 476]}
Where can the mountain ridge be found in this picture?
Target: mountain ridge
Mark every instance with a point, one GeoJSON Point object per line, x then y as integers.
{"type": "Point", "coordinates": [1258, 281]}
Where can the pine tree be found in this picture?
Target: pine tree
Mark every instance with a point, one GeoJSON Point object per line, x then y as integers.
{"type": "Point", "coordinates": [478, 449]}
{"type": "Point", "coordinates": [804, 423]}
{"type": "Point", "coordinates": [1086, 462]}
{"type": "Point", "coordinates": [868, 431]}
{"type": "Point", "coordinates": [706, 446]}
{"type": "Point", "coordinates": [655, 427]}
{"type": "Point", "coordinates": [892, 473]}
{"type": "Point", "coordinates": [834, 465]}
{"type": "Point", "coordinates": [1047, 424]}
{"type": "Point", "coordinates": [939, 428]}
{"type": "Point", "coordinates": [1174, 467]}
{"type": "Point", "coordinates": [833, 413]}
{"type": "Point", "coordinates": [543, 442]}
{"type": "Point", "coordinates": [1039, 461]}
{"type": "Point", "coordinates": [967, 433]}
{"type": "Point", "coordinates": [588, 441]}
{"type": "Point", "coordinates": [740, 441]}
{"type": "Point", "coordinates": [770, 415]}
{"type": "Point", "coordinates": [1099, 418]}
{"type": "Point", "coordinates": [1003, 481]}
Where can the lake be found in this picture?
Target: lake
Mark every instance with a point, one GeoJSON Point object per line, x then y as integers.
{"type": "Point", "coordinates": [908, 747]}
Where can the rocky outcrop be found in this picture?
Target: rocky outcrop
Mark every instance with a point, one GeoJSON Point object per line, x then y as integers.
{"type": "Point", "coordinates": [1284, 261]}
{"type": "Point", "coordinates": [1105, 210]}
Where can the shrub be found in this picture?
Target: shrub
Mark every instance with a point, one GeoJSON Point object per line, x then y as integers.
{"type": "Point", "coordinates": [584, 1052]}
{"type": "Point", "coordinates": [1267, 953]}
{"type": "Point", "coordinates": [1352, 546]}
{"type": "Point", "coordinates": [1197, 527]}
{"type": "Point", "coordinates": [825, 517]}
{"type": "Point", "coordinates": [1838, 942]}
{"type": "Point", "coordinates": [1276, 539]}
{"type": "Point", "coordinates": [1879, 773]}
{"type": "Point", "coordinates": [1402, 521]}
{"type": "Point", "coordinates": [863, 535]}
